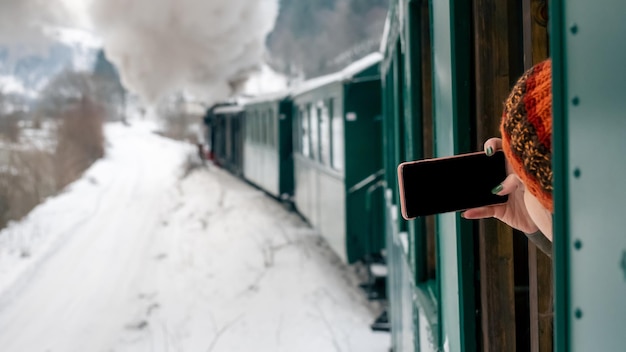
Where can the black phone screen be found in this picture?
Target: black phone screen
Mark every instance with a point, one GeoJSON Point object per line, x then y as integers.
{"type": "Point", "coordinates": [444, 185]}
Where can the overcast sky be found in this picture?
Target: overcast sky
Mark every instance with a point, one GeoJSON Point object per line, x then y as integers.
{"type": "Point", "coordinates": [79, 10]}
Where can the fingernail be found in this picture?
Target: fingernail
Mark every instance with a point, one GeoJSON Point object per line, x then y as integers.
{"type": "Point", "coordinates": [489, 151]}
{"type": "Point", "coordinates": [497, 189]}
{"type": "Point", "coordinates": [463, 215]}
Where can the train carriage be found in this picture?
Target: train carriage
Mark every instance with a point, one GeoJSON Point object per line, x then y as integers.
{"type": "Point", "coordinates": [225, 134]}
{"type": "Point", "coordinates": [337, 158]}
{"type": "Point", "coordinates": [459, 285]}
{"type": "Point", "coordinates": [268, 144]}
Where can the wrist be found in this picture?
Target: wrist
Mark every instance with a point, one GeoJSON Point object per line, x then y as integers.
{"type": "Point", "coordinates": [541, 241]}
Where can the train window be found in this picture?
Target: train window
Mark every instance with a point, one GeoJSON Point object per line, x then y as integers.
{"type": "Point", "coordinates": [257, 129]}
{"type": "Point", "coordinates": [297, 127]}
{"type": "Point", "coordinates": [314, 126]}
{"type": "Point", "coordinates": [272, 128]}
{"type": "Point", "coordinates": [265, 128]}
{"type": "Point", "coordinates": [251, 126]}
{"type": "Point", "coordinates": [336, 136]}
{"type": "Point", "coordinates": [304, 122]}
{"type": "Point", "coordinates": [322, 111]}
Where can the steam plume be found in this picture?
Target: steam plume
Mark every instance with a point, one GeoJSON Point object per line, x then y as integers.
{"type": "Point", "coordinates": [207, 47]}
{"type": "Point", "coordinates": [22, 22]}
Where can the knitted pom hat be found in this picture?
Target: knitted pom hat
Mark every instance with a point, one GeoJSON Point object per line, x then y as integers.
{"type": "Point", "coordinates": [527, 131]}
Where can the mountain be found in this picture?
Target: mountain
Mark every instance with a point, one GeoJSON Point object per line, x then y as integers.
{"type": "Point", "coordinates": [26, 75]}
{"type": "Point", "coordinates": [319, 37]}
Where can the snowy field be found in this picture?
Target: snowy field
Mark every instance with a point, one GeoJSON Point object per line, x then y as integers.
{"type": "Point", "coordinates": [140, 256]}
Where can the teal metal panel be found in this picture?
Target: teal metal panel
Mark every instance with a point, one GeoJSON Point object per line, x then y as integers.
{"type": "Point", "coordinates": [559, 162]}
{"type": "Point", "coordinates": [400, 285]}
{"type": "Point", "coordinates": [262, 163]}
{"type": "Point", "coordinates": [590, 141]}
{"type": "Point", "coordinates": [363, 161]}
{"type": "Point", "coordinates": [413, 127]}
{"type": "Point", "coordinates": [451, 58]}
{"type": "Point", "coordinates": [285, 146]}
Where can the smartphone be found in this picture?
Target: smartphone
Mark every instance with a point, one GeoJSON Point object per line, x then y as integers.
{"type": "Point", "coordinates": [442, 185]}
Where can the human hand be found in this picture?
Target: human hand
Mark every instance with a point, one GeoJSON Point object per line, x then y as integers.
{"type": "Point", "coordinates": [514, 212]}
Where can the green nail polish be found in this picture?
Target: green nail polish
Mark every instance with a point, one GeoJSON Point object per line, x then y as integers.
{"type": "Point", "coordinates": [497, 189]}
{"type": "Point", "coordinates": [489, 151]}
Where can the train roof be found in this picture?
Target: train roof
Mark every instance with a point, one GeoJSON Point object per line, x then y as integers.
{"type": "Point", "coordinates": [228, 109]}
{"type": "Point", "coordinates": [346, 74]}
{"type": "Point", "coordinates": [276, 96]}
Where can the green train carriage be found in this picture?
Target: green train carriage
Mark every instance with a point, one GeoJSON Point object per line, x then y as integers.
{"type": "Point", "coordinates": [337, 158]}
{"type": "Point", "coordinates": [225, 128]}
{"type": "Point", "coordinates": [458, 285]}
{"type": "Point", "coordinates": [268, 145]}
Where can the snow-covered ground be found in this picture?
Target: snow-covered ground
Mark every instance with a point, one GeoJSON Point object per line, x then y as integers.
{"type": "Point", "coordinates": [139, 256]}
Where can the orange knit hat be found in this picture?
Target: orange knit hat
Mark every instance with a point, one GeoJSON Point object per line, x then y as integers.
{"type": "Point", "coordinates": [527, 131]}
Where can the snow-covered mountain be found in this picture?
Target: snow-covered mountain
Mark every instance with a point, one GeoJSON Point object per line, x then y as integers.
{"type": "Point", "coordinates": [26, 75]}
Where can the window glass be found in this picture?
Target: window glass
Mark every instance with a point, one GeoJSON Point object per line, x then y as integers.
{"type": "Point", "coordinates": [337, 137]}
{"type": "Point", "coordinates": [250, 126]}
{"type": "Point", "coordinates": [246, 126]}
{"type": "Point", "coordinates": [272, 127]}
{"type": "Point", "coordinates": [256, 127]}
{"type": "Point", "coordinates": [314, 126]}
{"type": "Point", "coordinates": [264, 137]}
{"type": "Point", "coordinates": [322, 111]}
{"type": "Point", "coordinates": [304, 119]}
{"type": "Point", "coordinates": [296, 132]}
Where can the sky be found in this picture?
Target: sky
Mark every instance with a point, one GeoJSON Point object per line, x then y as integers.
{"type": "Point", "coordinates": [205, 48]}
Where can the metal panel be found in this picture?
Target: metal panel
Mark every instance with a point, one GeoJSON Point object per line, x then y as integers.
{"type": "Point", "coordinates": [590, 193]}
{"type": "Point", "coordinates": [400, 284]}
{"type": "Point", "coordinates": [451, 110]}
{"type": "Point", "coordinates": [331, 205]}
{"type": "Point", "coordinates": [262, 161]}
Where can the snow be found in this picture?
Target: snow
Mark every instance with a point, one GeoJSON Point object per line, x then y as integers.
{"type": "Point", "coordinates": [316, 83]}
{"type": "Point", "coordinates": [228, 109]}
{"type": "Point", "coordinates": [360, 65]}
{"type": "Point", "coordinates": [346, 74]}
{"type": "Point", "coordinates": [386, 29]}
{"type": "Point", "coordinates": [10, 84]}
{"type": "Point", "coordinates": [139, 255]}
{"type": "Point", "coordinates": [268, 97]}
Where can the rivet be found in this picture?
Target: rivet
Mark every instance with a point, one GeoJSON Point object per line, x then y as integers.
{"type": "Point", "coordinates": [578, 244]}
{"type": "Point", "coordinates": [577, 173]}
{"type": "Point", "coordinates": [575, 101]}
{"type": "Point", "coordinates": [578, 313]}
{"type": "Point", "coordinates": [574, 29]}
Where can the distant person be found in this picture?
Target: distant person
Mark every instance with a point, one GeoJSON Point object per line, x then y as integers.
{"type": "Point", "coordinates": [526, 130]}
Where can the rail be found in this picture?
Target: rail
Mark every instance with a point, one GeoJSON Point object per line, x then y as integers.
{"type": "Point", "coordinates": [367, 181]}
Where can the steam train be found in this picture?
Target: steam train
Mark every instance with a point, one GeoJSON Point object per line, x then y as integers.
{"type": "Point", "coordinates": [317, 145]}
{"type": "Point", "coordinates": [332, 147]}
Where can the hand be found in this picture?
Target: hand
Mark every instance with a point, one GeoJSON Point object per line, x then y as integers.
{"type": "Point", "coordinates": [513, 212]}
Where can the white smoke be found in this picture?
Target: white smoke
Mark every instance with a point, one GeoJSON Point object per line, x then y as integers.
{"type": "Point", "coordinates": [23, 22]}
{"type": "Point", "coordinates": [205, 47]}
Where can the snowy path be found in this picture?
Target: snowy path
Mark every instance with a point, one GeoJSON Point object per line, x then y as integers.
{"type": "Point", "coordinates": [134, 258]}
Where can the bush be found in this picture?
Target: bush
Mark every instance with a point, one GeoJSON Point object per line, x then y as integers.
{"type": "Point", "coordinates": [32, 170]}
{"type": "Point", "coordinates": [80, 141]}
